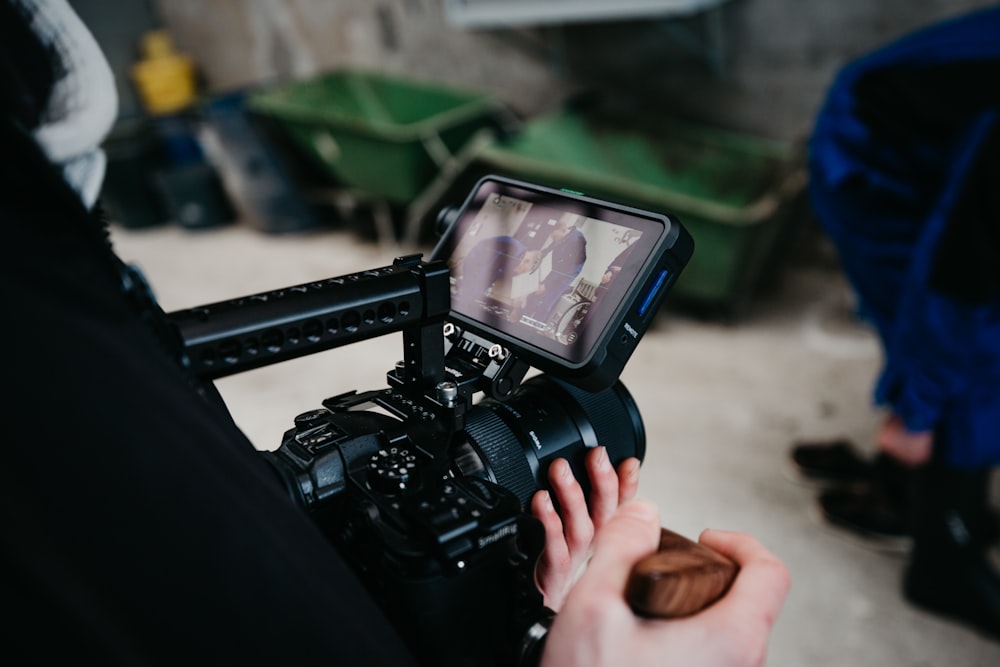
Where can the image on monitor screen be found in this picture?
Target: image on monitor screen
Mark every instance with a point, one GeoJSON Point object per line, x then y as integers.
{"type": "Point", "coordinates": [544, 270]}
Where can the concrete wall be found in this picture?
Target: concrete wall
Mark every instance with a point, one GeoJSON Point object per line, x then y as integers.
{"type": "Point", "coordinates": [245, 41]}
{"type": "Point", "coordinates": [777, 59]}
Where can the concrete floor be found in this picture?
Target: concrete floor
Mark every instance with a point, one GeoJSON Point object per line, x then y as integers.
{"type": "Point", "coordinates": [721, 402]}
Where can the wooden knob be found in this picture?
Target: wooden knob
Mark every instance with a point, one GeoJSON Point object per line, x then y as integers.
{"type": "Point", "coordinates": [680, 579]}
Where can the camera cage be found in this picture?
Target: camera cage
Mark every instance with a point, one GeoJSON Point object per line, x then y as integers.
{"type": "Point", "coordinates": [443, 366]}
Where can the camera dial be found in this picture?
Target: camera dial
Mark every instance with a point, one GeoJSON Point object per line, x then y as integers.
{"type": "Point", "coordinates": [392, 471]}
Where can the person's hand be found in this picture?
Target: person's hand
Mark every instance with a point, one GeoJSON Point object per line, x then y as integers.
{"type": "Point", "coordinates": [568, 538]}
{"type": "Point", "coordinates": [911, 448]}
{"type": "Point", "coordinates": [597, 628]}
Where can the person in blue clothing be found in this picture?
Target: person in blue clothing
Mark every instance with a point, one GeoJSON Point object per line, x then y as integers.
{"type": "Point", "coordinates": [489, 261]}
{"type": "Point", "coordinates": [905, 179]}
{"type": "Point", "coordinates": [568, 250]}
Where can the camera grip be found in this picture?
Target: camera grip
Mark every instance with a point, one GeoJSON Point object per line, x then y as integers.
{"type": "Point", "coordinates": [680, 579]}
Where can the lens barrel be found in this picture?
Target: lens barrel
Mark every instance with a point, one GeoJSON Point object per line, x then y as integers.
{"type": "Point", "coordinates": [516, 440]}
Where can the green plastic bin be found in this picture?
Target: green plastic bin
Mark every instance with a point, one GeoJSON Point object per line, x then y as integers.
{"type": "Point", "coordinates": [736, 194]}
{"type": "Point", "coordinates": [385, 136]}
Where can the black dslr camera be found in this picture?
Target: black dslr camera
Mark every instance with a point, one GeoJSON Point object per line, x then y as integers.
{"type": "Point", "coordinates": [422, 491]}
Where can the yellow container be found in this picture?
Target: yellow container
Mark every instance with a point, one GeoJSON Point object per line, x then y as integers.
{"type": "Point", "coordinates": [164, 79]}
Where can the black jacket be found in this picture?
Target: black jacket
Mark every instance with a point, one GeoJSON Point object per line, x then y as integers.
{"type": "Point", "coordinates": [139, 526]}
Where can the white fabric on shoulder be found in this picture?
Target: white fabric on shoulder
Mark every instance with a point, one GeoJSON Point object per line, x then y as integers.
{"type": "Point", "coordinates": [83, 104]}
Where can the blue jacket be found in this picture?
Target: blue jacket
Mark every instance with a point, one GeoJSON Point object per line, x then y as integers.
{"type": "Point", "coordinates": [904, 177]}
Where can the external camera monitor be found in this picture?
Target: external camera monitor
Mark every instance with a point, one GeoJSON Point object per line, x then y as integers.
{"type": "Point", "coordinates": [567, 282]}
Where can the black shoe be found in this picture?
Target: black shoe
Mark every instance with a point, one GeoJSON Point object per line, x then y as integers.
{"type": "Point", "coordinates": [834, 461]}
{"type": "Point", "coordinates": [866, 510]}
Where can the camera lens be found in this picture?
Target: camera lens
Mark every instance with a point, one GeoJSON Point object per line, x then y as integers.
{"type": "Point", "coordinates": [513, 442]}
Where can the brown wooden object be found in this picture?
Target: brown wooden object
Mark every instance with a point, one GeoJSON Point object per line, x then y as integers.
{"type": "Point", "coordinates": [680, 579]}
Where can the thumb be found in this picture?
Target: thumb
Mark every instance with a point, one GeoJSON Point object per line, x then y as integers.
{"type": "Point", "coordinates": [632, 533]}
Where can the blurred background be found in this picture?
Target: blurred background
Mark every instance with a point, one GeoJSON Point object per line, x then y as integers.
{"type": "Point", "coordinates": [266, 143]}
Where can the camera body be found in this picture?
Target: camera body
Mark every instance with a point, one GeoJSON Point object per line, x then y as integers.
{"type": "Point", "coordinates": [447, 556]}
{"type": "Point", "coordinates": [424, 492]}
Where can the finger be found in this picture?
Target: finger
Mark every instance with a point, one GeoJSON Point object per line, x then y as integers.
{"type": "Point", "coordinates": [578, 528]}
{"type": "Point", "coordinates": [604, 492]}
{"type": "Point", "coordinates": [760, 588]}
{"type": "Point", "coordinates": [633, 532]}
{"type": "Point", "coordinates": [555, 546]}
{"type": "Point", "coordinates": [555, 557]}
{"type": "Point", "coordinates": [628, 479]}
